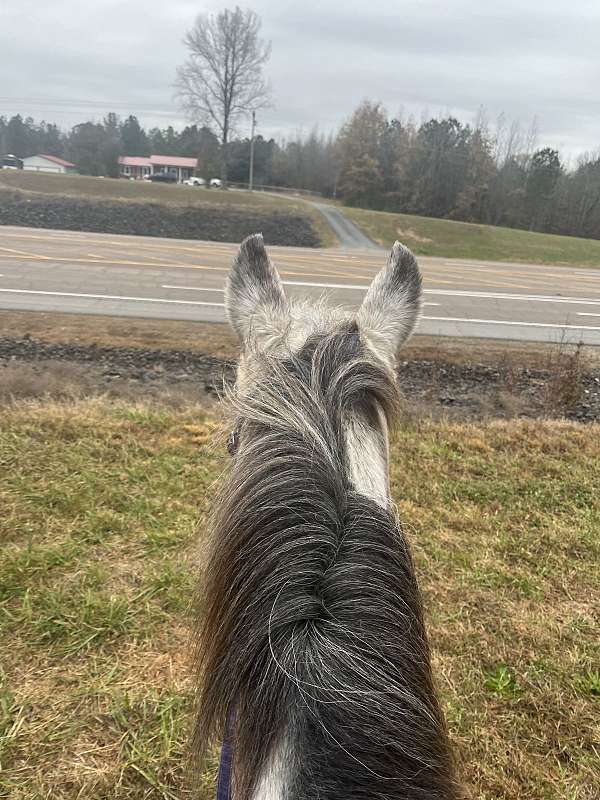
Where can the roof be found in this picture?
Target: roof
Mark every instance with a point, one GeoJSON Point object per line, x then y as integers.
{"type": "Point", "coordinates": [134, 161]}
{"type": "Point", "coordinates": [174, 161]}
{"type": "Point", "coordinates": [159, 161]}
{"type": "Point", "coordinates": [56, 160]}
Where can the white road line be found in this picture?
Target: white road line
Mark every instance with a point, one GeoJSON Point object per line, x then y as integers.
{"type": "Point", "coordinates": [537, 298]}
{"type": "Point", "coordinates": [115, 297]}
{"type": "Point", "coordinates": [285, 283]}
{"type": "Point", "coordinates": [221, 305]}
{"type": "Point", "coordinates": [506, 322]}
{"type": "Point", "coordinates": [191, 288]}
{"type": "Point", "coordinates": [586, 314]}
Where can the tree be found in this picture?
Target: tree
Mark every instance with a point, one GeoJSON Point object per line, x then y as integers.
{"type": "Point", "coordinates": [479, 172]}
{"type": "Point", "coordinates": [18, 137]}
{"type": "Point", "coordinates": [222, 79]}
{"type": "Point", "coordinates": [133, 138]}
{"type": "Point", "coordinates": [360, 144]}
{"type": "Point", "coordinates": [87, 148]}
{"type": "Point", "coordinates": [111, 147]}
{"type": "Point", "coordinates": [438, 166]}
{"type": "Point", "coordinates": [361, 183]}
{"type": "Point", "coordinates": [544, 171]}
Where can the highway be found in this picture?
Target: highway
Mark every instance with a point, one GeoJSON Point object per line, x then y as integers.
{"type": "Point", "coordinates": [92, 273]}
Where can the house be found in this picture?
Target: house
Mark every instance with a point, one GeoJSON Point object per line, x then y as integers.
{"type": "Point", "coordinates": [142, 167]}
{"type": "Point", "coordinates": [44, 163]}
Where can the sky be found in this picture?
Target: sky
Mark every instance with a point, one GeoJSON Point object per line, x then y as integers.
{"type": "Point", "coordinates": [71, 60]}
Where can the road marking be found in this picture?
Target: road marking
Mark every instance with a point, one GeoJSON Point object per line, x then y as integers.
{"type": "Point", "coordinates": [190, 288]}
{"type": "Point", "coordinates": [537, 298]}
{"type": "Point", "coordinates": [160, 265]}
{"type": "Point", "coordinates": [114, 297]}
{"type": "Point", "coordinates": [506, 322]}
{"type": "Point", "coordinates": [222, 305]}
{"type": "Point", "coordinates": [285, 283]}
{"type": "Point", "coordinates": [586, 314]}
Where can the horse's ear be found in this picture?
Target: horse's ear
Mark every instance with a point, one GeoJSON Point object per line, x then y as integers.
{"type": "Point", "coordinates": [391, 308]}
{"type": "Point", "coordinates": [254, 297]}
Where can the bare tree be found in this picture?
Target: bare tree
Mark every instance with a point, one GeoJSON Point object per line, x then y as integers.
{"type": "Point", "coordinates": [222, 79]}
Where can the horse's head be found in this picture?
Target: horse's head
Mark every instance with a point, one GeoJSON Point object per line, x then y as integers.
{"type": "Point", "coordinates": [299, 356]}
{"type": "Point", "coordinates": [267, 323]}
{"type": "Point", "coordinates": [313, 643]}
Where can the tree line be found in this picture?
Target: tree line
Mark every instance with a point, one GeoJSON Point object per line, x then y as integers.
{"type": "Point", "coordinates": [439, 167]}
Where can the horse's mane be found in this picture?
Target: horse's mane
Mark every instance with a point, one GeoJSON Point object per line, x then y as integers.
{"type": "Point", "coordinates": [312, 642]}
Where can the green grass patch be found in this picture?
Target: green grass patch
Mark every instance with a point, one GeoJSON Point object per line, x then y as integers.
{"type": "Point", "coordinates": [449, 239]}
{"type": "Point", "coordinates": [103, 510]}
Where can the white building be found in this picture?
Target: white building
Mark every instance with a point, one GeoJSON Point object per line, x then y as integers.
{"type": "Point", "coordinates": [43, 163]}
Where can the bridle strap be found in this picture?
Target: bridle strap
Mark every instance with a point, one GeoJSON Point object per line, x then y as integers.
{"type": "Point", "coordinates": [224, 777]}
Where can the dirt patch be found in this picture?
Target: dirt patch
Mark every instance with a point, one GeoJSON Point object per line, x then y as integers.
{"type": "Point", "coordinates": [408, 233]}
{"type": "Point", "coordinates": [221, 224]}
{"type": "Point", "coordinates": [176, 376]}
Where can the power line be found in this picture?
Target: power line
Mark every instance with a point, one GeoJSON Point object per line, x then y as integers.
{"type": "Point", "coordinates": [75, 102]}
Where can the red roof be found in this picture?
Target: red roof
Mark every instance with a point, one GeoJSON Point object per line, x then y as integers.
{"type": "Point", "coordinates": [57, 160]}
{"type": "Point", "coordinates": [159, 161]}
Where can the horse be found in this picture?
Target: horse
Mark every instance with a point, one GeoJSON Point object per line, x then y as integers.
{"type": "Point", "coordinates": [314, 664]}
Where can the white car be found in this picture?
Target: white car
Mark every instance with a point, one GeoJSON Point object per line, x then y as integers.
{"type": "Point", "coordinates": [195, 182]}
{"type": "Point", "coordinates": [216, 182]}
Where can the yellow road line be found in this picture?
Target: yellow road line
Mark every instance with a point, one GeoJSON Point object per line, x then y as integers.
{"type": "Point", "coordinates": [20, 255]}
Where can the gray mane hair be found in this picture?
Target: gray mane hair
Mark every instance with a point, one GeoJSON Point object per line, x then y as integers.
{"type": "Point", "coordinates": [313, 656]}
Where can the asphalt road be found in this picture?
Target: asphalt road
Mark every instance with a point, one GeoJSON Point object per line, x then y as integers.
{"type": "Point", "coordinates": [91, 273]}
{"type": "Point", "coordinates": [349, 235]}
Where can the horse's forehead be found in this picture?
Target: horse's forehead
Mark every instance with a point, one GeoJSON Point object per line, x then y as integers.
{"type": "Point", "coordinates": [312, 319]}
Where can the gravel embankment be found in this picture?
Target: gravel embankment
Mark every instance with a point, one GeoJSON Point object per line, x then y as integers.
{"type": "Point", "coordinates": [220, 224]}
{"type": "Point", "coordinates": [465, 391]}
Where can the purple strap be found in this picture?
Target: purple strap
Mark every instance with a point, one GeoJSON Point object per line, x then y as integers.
{"type": "Point", "coordinates": [224, 777]}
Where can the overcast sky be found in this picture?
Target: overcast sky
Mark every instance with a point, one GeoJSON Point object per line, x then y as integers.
{"type": "Point", "coordinates": [70, 60]}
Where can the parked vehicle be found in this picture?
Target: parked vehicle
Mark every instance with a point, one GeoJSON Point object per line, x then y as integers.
{"type": "Point", "coordinates": [193, 181]}
{"type": "Point", "coordinates": [216, 182]}
{"type": "Point", "coordinates": [164, 177]}
{"type": "Point", "coordinates": [11, 162]}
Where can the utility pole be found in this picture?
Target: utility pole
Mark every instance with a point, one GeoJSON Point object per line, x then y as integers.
{"type": "Point", "coordinates": [251, 177]}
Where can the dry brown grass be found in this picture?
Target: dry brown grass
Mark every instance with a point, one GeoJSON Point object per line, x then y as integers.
{"type": "Point", "coordinates": [100, 505]}
{"type": "Point", "coordinates": [218, 339]}
{"type": "Point", "coordinates": [568, 366]}
{"type": "Point", "coordinates": [200, 337]}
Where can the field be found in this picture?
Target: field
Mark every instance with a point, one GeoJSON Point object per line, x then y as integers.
{"type": "Point", "coordinates": [174, 197]}
{"type": "Point", "coordinates": [110, 188]}
{"type": "Point", "coordinates": [101, 529]}
{"type": "Point", "coordinates": [449, 239]}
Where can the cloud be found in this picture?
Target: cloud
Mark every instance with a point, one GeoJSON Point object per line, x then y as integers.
{"type": "Point", "coordinates": [414, 55]}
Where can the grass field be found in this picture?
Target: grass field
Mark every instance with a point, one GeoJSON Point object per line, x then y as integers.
{"type": "Point", "coordinates": [110, 188]}
{"type": "Point", "coordinates": [102, 512]}
{"type": "Point", "coordinates": [448, 239]}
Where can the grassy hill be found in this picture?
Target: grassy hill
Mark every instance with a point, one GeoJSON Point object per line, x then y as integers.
{"type": "Point", "coordinates": [136, 197]}
{"type": "Point", "coordinates": [449, 239]}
